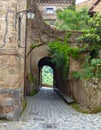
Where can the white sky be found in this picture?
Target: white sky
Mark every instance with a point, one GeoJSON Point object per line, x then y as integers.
{"type": "Point", "coordinates": [80, 1]}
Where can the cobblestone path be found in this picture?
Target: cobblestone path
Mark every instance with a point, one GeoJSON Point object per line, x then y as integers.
{"type": "Point", "coordinates": [47, 111]}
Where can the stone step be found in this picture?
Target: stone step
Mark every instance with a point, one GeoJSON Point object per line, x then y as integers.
{"type": "Point", "coordinates": [65, 97]}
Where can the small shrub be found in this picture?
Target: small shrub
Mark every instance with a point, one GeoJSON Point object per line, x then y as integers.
{"type": "Point", "coordinates": [90, 70]}
{"type": "Point", "coordinates": [76, 75]}
{"type": "Point", "coordinates": [32, 93]}
{"type": "Point", "coordinates": [24, 105]}
{"type": "Point", "coordinates": [31, 78]}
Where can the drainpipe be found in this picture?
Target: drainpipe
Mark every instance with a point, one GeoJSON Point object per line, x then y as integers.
{"type": "Point", "coordinates": [25, 60]}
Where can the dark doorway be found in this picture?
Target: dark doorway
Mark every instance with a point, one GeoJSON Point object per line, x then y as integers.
{"type": "Point", "coordinates": [45, 63]}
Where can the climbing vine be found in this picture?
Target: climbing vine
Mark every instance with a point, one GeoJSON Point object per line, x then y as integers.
{"type": "Point", "coordinates": [90, 70]}
{"type": "Point", "coordinates": [71, 19]}
{"type": "Point", "coordinates": [92, 35]}
{"type": "Point", "coordinates": [60, 53]}
{"type": "Point", "coordinates": [91, 38]}
{"type": "Point", "coordinates": [31, 78]}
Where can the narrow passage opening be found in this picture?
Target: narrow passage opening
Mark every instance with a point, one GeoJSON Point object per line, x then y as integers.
{"type": "Point", "coordinates": [46, 72]}
{"type": "Point", "coordinates": [47, 76]}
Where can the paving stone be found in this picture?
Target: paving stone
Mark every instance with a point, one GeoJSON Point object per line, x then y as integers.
{"type": "Point", "coordinates": [47, 111]}
{"type": "Point", "coordinates": [10, 116]}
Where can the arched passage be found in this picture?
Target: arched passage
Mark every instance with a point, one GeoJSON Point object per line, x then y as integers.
{"type": "Point", "coordinates": [47, 76]}
{"type": "Point", "coordinates": [46, 61]}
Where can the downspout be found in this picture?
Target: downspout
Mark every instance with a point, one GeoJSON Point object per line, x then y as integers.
{"type": "Point", "coordinates": [25, 78]}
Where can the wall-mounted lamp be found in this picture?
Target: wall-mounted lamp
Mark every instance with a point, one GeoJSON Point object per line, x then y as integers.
{"type": "Point", "coordinates": [30, 15]}
{"type": "Point", "coordinates": [19, 17]}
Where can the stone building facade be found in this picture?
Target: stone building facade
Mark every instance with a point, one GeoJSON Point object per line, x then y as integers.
{"type": "Point", "coordinates": [20, 64]}
{"type": "Point", "coordinates": [11, 58]}
{"type": "Point", "coordinates": [50, 7]}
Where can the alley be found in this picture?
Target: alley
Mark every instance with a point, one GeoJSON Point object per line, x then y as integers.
{"type": "Point", "coordinates": [47, 111]}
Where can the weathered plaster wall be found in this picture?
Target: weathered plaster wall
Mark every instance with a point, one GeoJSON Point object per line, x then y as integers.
{"type": "Point", "coordinates": [11, 60]}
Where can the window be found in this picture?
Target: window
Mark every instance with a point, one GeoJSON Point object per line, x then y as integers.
{"type": "Point", "coordinates": [19, 29]}
{"type": "Point", "coordinates": [49, 10]}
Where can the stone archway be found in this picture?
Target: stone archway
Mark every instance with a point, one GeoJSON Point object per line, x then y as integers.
{"type": "Point", "coordinates": [38, 36]}
{"type": "Point", "coordinates": [42, 62]}
{"type": "Point", "coordinates": [47, 75]}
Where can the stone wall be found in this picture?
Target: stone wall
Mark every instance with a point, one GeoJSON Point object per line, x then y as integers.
{"type": "Point", "coordinates": [86, 92]}
{"type": "Point", "coordinates": [11, 105]}
{"type": "Point", "coordinates": [49, 10]}
{"type": "Point", "coordinates": [11, 59]}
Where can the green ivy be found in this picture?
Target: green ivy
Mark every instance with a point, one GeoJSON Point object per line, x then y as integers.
{"type": "Point", "coordinates": [33, 46]}
{"type": "Point", "coordinates": [90, 70]}
{"type": "Point", "coordinates": [71, 19]}
{"type": "Point", "coordinates": [76, 75]}
{"type": "Point", "coordinates": [92, 35]}
{"type": "Point", "coordinates": [60, 54]}
{"type": "Point", "coordinates": [32, 93]}
{"type": "Point", "coordinates": [74, 52]}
